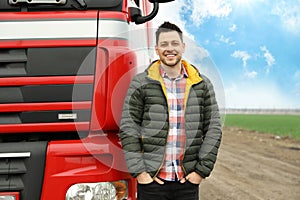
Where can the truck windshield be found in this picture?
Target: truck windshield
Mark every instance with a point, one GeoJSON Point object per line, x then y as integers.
{"type": "Point", "coordinates": [40, 5]}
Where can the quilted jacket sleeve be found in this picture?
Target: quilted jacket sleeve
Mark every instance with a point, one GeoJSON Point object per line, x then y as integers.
{"type": "Point", "coordinates": [212, 132]}
{"type": "Point", "coordinates": [130, 128]}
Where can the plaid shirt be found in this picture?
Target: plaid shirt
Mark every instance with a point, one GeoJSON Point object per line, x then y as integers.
{"type": "Point", "coordinates": [171, 169]}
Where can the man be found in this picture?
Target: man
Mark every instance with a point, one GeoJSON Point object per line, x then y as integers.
{"type": "Point", "coordinates": [170, 127]}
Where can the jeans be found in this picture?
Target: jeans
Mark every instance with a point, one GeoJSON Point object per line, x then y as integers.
{"type": "Point", "coordinates": [171, 190]}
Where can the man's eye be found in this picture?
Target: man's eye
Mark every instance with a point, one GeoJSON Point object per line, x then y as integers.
{"type": "Point", "coordinates": [175, 44]}
{"type": "Point", "coordinates": [163, 44]}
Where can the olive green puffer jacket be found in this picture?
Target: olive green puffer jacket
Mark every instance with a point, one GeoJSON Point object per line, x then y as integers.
{"type": "Point", "coordinates": [145, 123]}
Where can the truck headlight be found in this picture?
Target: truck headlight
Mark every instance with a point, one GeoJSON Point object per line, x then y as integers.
{"type": "Point", "coordinates": [98, 191]}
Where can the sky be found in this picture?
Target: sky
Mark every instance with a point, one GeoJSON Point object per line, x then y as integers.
{"type": "Point", "coordinates": [250, 49]}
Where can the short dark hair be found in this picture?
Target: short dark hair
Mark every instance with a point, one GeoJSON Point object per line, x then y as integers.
{"type": "Point", "coordinates": [168, 27]}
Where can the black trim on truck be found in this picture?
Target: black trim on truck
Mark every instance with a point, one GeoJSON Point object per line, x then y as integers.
{"type": "Point", "coordinates": [46, 93]}
{"type": "Point", "coordinates": [47, 61]}
{"type": "Point", "coordinates": [45, 116]}
{"type": "Point", "coordinates": [42, 136]}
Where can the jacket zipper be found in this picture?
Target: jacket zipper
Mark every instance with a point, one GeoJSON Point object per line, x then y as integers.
{"type": "Point", "coordinates": [181, 164]}
{"type": "Point", "coordinates": [158, 82]}
{"type": "Point", "coordinates": [162, 163]}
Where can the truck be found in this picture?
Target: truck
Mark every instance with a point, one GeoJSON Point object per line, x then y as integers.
{"type": "Point", "coordinates": [65, 66]}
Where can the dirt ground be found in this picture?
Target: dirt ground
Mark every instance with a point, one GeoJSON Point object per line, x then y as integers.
{"type": "Point", "coordinates": [254, 166]}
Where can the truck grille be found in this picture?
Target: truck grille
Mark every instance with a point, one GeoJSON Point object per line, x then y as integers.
{"type": "Point", "coordinates": [60, 61]}
{"type": "Point", "coordinates": [22, 168]}
{"type": "Point", "coordinates": [46, 87]}
{"type": "Point", "coordinates": [12, 62]}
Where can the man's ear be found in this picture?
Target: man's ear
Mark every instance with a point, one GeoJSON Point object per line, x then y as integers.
{"type": "Point", "coordinates": [156, 49]}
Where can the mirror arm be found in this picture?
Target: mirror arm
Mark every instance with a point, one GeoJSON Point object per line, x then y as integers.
{"type": "Point", "coordinates": [136, 16]}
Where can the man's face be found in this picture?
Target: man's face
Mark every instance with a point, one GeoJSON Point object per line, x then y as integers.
{"type": "Point", "coordinates": [170, 48]}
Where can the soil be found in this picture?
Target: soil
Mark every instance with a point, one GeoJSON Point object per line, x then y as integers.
{"type": "Point", "coordinates": [254, 166]}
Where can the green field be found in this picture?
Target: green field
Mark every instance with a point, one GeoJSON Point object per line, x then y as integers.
{"type": "Point", "coordinates": [282, 125]}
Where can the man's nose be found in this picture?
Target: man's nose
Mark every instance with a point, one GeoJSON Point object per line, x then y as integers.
{"type": "Point", "coordinates": [170, 47]}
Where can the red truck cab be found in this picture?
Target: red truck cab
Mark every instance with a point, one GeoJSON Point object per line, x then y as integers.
{"type": "Point", "coordinates": [65, 66]}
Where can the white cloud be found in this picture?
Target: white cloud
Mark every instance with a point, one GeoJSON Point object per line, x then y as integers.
{"type": "Point", "coordinates": [242, 55]}
{"type": "Point", "coordinates": [245, 56]}
{"type": "Point", "coordinates": [203, 9]}
{"type": "Point", "coordinates": [233, 28]}
{"type": "Point", "coordinates": [226, 40]}
{"type": "Point", "coordinates": [251, 74]}
{"type": "Point", "coordinates": [289, 14]}
{"type": "Point", "coordinates": [200, 11]}
{"type": "Point", "coordinates": [207, 41]}
{"type": "Point", "coordinates": [268, 57]}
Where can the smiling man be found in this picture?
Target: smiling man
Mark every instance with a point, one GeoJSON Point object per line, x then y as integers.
{"type": "Point", "coordinates": [170, 127]}
{"type": "Point", "coordinates": [170, 48]}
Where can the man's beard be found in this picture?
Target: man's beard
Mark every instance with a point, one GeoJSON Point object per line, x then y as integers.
{"type": "Point", "coordinates": [165, 62]}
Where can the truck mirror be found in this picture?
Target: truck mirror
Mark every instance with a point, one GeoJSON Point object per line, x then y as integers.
{"type": "Point", "coordinates": [136, 16]}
